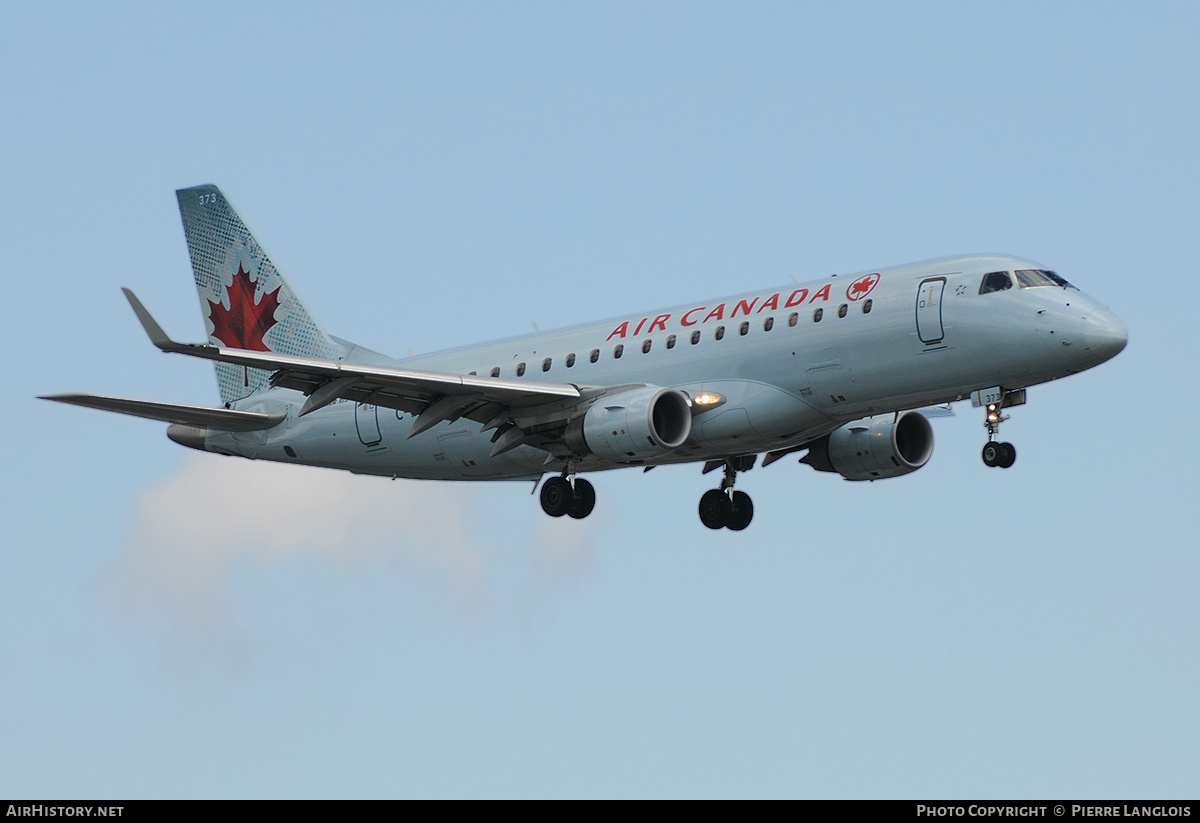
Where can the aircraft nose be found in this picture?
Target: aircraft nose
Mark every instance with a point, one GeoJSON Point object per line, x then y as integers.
{"type": "Point", "coordinates": [1105, 335]}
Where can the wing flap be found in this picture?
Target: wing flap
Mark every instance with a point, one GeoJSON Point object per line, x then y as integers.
{"type": "Point", "coordinates": [199, 416]}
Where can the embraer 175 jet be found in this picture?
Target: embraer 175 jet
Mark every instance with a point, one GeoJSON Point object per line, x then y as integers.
{"type": "Point", "coordinates": [839, 368]}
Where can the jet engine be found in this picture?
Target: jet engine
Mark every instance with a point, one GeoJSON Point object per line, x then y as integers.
{"type": "Point", "coordinates": [633, 425]}
{"type": "Point", "coordinates": [886, 445]}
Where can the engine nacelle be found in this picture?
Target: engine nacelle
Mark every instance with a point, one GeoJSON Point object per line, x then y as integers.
{"type": "Point", "coordinates": [886, 445]}
{"type": "Point", "coordinates": [634, 425]}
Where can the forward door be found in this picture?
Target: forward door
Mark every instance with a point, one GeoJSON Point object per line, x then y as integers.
{"type": "Point", "coordinates": [929, 310]}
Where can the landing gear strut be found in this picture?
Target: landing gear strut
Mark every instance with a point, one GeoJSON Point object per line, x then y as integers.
{"type": "Point", "coordinates": [995, 453]}
{"type": "Point", "coordinates": [569, 495]}
{"type": "Point", "coordinates": [725, 508]}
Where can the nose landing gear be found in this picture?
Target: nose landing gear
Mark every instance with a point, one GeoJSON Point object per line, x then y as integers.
{"type": "Point", "coordinates": [994, 453]}
{"type": "Point", "coordinates": [725, 508]}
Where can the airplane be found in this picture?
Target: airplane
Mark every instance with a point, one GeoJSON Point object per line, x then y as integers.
{"type": "Point", "coordinates": [846, 369]}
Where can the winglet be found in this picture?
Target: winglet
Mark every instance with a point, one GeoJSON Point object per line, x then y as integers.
{"type": "Point", "coordinates": [157, 336]}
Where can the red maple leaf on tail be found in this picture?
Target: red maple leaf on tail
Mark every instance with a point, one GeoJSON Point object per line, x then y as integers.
{"type": "Point", "coordinates": [244, 323]}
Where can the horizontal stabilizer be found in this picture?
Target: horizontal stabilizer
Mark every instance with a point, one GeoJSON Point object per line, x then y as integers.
{"type": "Point", "coordinates": [200, 416]}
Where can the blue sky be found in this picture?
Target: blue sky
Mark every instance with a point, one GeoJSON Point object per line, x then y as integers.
{"type": "Point", "coordinates": [182, 625]}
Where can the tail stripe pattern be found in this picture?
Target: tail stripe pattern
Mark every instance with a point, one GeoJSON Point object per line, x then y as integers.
{"type": "Point", "coordinates": [244, 300]}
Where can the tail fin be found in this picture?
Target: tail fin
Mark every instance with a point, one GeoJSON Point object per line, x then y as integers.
{"type": "Point", "coordinates": [245, 301]}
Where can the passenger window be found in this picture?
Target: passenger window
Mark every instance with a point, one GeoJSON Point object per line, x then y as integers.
{"type": "Point", "coordinates": [842, 309]}
{"type": "Point", "coordinates": [570, 360]}
{"type": "Point", "coordinates": [671, 342]}
{"type": "Point", "coordinates": [742, 329]}
{"type": "Point", "coordinates": [645, 347]}
{"type": "Point", "coordinates": [866, 307]}
{"type": "Point", "coordinates": [472, 373]}
{"type": "Point", "coordinates": [817, 315]}
{"type": "Point", "coordinates": [793, 319]}
{"type": "Point", "coordinates": [695, 337]}
{"type": "Point", "coordinates": [719, 333]}
{"type": "Point", "coordinates": [594, 356]}
{"type": "Point", "coordinates": [618, 351]}
{"type": "Point", "coordinates": [769, 324]}
{"type": "Point", "coordinates": [995, 281]}
{"type": "Point", "coordinates": [546, 364]}
{"type": "Point", "coordinates": [520, 369]}
{"type": "Point", "coordinates": [496, 372]}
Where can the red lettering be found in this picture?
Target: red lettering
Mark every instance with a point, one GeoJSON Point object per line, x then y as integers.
{"type": "Point", "coordinates": [823, 293]}
{"type": "Point", "coordinates": [794, 300]}
{"type": "Point", "coordinates": [683, 321]}
{"type": "Point", "coordinates": [659, 322]}
{"type": "Point", "coordinates": [620, 330]}
{"type": "Point", "coordinates": [742, 304]}
{"type": "Point", "coordinates": [638, 330]}
{"type": "Point", "coordinates": [771, 302]}
{"type": "Point", "coordinates": [718, 312]}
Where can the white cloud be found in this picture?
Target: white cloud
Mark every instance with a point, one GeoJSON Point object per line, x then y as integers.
{"type": "Point", "coordinates": [197, 530]}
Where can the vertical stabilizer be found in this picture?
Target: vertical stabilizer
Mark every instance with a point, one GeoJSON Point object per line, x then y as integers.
{"type": "Point", "coordinates": [245, 302]}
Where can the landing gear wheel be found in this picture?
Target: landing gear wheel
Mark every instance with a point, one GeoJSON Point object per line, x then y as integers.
{"type": "Point", "coordinates": [993, 453]}
{"type": "Point", "coordinates": [715, 509]}
{"type": "Point", "coordinates": [1008, 456]}
{"type": "Point", "coordinates": [557, 496]}
{"type": "Point", "coordinates": [584, 500]}
{"type": "Point", "coordinates": [743, 512]}
{"type": "Point", "coordinates": [996, 453]}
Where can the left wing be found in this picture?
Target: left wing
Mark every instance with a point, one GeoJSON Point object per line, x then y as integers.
{"type": "Point", "coordinates": [521, 412]}
{"type": "Point", "coordinates": [199, 416]}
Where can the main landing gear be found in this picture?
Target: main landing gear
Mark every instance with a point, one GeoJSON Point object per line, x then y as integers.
{"type": "Point", "coordinates": [994, 453]}
{"type": "Point", "coordinates": [569, 495]}
{"type": "Point", "coordinates": [725, 508]}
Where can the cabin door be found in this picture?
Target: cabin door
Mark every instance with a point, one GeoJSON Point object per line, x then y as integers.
{"type": "Point", "coordinates": [929, 310]}
{"type": "Point", "coordinates": [366, 420]}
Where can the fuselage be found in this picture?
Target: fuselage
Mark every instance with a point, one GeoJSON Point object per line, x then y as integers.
{"type": "Point", "coordinates": [790, 364]}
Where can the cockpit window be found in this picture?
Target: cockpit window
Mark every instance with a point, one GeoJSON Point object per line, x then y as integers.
{"type": "Point", "coordinates": [995, 281]}
{"type": "Point", "coordinates": [1036, 278]}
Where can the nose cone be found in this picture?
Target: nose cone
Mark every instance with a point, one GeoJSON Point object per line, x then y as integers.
{"type": "Point", "coordinates": [1105, 335]}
